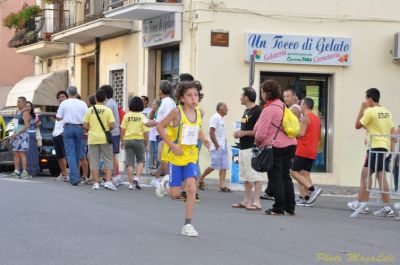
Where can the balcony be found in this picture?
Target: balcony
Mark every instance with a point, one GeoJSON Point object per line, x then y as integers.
{"type": "Point", "coordinates": [141, 9]}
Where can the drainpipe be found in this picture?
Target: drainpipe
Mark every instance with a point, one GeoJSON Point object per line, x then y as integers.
{"type": "Point", "coordinates": [97, 64]}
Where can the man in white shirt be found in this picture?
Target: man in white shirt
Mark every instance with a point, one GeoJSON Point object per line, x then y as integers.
{"type": "Point", "coordinates": [58, 141]}
{"type": "Point", "coordinates": [219, 147]}
{"type": "Point", "coordinates": [167, 104]}
{"type": "Point", "coordinates": [71, 112]}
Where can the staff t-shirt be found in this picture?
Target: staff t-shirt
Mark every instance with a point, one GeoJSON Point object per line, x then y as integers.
{"type": "Point", "coordinates": [133, 123]}
{"type": "Point", "coordinates": [378, 121]}
{"type": "Point", "coordinates": [96, 133]}
{"type": "Point", "coordinates": [247, 123]}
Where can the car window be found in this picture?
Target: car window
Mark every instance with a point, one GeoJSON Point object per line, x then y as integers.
{"type": "Point", "coordinates": [47, 122]}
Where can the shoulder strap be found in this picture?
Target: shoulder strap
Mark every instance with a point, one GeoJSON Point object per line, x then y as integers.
{"type": "Point", "coordinates": [98, 118]}
{"type": "Point", "coordinates": [279, 128]}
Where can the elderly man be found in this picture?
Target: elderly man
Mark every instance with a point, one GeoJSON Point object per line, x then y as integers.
{"type": "Point", "coordinates": [71, 112]}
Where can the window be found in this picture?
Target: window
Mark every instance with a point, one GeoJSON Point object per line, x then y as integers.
{"type": "Point", "coordinates": [117, 82]}
{"type": "Point", "coordinates": [314, 86]}
{"type": "Point", "coordinates": [170, 64]}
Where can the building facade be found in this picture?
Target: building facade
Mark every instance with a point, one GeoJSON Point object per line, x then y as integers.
{"type": "Point", "coordinates": [331, 51]}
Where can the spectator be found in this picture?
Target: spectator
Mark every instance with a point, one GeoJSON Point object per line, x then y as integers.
{"type": "Point", "coordinates": [146, 111]}
{"type": "Point", "coordinates": [58, 141]}
{"type": "Point", "coordinates": [99, 148]}
{"type": "Point", "coordinates": [32, 161]}
{"type": "Point", "coordinates": [269, 132]}
{"type": "Point", "coordinates": [71, 112]}
{"type": "Point", "coordinates": [153, 135]}
{"type": "Point", "coordinates": [134, 135]}
{"type": "Point", "coordinates": [112, 104]}
{"type": "Point", "coordinates": [246, 143]}
{"type": "Point", "coordinates": [219, 147]}
{"type": "Point", "coordinates": [20, 139]}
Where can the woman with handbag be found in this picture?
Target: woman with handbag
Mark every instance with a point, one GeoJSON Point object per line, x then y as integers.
{"type": "Point", "coordinates": [269, 133]}
{"type": "Point", "coordinates": [33, 167]}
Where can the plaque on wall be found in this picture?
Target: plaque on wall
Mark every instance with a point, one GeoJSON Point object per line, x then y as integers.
{"type": "Point", "coordinates": [220, 38]}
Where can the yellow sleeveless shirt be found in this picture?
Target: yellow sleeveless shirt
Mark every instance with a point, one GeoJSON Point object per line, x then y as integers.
{"type": "Point", "coordinates": [185, 135]}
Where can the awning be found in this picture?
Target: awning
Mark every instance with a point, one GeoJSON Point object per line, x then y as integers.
{"type": "Point", "coordinates": [4, 90]}
{"type": "Point", "coordinates": [39, 89]}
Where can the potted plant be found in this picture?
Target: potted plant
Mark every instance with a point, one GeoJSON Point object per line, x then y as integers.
{"type": "Point", "coordinates": [25, 18]}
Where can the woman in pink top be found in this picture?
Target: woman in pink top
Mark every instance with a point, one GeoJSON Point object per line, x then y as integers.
{"type": "Point", "coordinates": [267, 128]}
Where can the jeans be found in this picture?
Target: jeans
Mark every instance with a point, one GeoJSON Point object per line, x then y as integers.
{"type": "Point", "coordinates": [280, 180]}
{"type": "Point", "coordinates": [73, 150]}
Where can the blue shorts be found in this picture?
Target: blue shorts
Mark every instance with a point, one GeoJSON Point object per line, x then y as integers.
{"type": "Point", "coordinates": [84, 150]}
{"type": "Point", "coordinates": [178, 174]}
{"type": "Point", "coordinates": [116, 144]}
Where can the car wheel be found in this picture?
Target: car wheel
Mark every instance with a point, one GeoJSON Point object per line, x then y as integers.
{"type": "Point", "coordinates": [55, 172]}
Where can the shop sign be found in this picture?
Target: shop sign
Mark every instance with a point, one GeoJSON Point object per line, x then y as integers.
{"type": "Point", "coordinates": [220, 38]}
{"type": "Point", "coordinates": [291, 49]}
{"type": "Point", "coordinates": [162, 30]}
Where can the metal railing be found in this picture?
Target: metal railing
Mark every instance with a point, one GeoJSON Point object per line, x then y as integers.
{"type": "Point", "coordinates": [112, 4]}
{"type": "Point", "coordinates": [383, 173]}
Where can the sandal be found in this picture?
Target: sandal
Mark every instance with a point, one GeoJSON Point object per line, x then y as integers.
{"type": "Point", "coordinates": [224, 189]}
{"type": "Point", "coordinates": [201, 185]}
{"type": "Point", "coordinates": [239, 205]}
{"type": "Point", "coordinates": [272, 212]}
{"type": "Point", "coordinates": [253, 207]}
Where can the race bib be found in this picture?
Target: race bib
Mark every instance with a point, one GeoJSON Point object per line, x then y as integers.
{"type": "Point", "coordinates": [190, 134]}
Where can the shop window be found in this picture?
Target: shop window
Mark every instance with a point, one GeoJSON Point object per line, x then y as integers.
{"type": "Point", "coordinates": [314, 86]}
{"type": "Point", "coordinates": [170, 64]}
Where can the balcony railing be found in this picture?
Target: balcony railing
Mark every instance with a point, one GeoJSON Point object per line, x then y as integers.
{"type": "Point", "coordinates": [118, 3]}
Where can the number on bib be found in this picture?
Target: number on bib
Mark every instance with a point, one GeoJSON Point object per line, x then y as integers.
{"type": "Point", "coordinates": [190, 134]}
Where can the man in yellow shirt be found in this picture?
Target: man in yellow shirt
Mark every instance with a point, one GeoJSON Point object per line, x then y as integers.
{"type": "Point", "coordinates": [99, 148]}
{"type": "Point", "coordinates": [377, 120]}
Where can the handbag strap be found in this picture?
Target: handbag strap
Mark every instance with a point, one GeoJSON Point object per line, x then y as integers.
{"type": "Point", "coordinates": [98, 118]}
{"type": "Point", "coordinates": [279, 127]}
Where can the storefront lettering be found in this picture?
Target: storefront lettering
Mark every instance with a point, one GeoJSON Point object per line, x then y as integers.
{"type": "Point", "coordinates": [255, 41]}
{"type": "Point", "coordinates": [331, 46]}
{"type": "Point", "coordinates": [287, 45]}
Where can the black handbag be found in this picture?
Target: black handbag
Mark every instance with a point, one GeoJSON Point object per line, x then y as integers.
{"type": "Point", "coordinates": [263, 156]}
{"type": "Point", "coordinates": [108, 134]}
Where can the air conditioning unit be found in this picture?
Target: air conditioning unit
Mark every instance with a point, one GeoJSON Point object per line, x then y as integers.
{"type": "Point", "coordinates": [396, 50]}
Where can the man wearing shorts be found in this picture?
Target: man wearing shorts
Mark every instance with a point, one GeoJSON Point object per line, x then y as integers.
{"type": "Point", "coordinates": [99, 148]}
{"type": "Point", "coordinates": [377, 120]}
{"type": "Point", "coordinates": [306, 152]}
{"type": "Point", "coordinates": [112, 104]}
{"type": "Point", "coordinates": [58, 141]}
{"type": "Point", "coordinates": [246, 137]}
{"type": "Point", "coordinates": [219, 148]}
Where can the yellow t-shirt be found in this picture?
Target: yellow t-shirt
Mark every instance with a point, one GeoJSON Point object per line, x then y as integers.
{"type": "Point", "coordinates": [96, 133]}
{"type": "Point", "coordinates": [133, 123]}
{"type": "Point", "coordinates": [378, 121]}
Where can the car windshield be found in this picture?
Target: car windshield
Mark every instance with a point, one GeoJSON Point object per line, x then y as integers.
{"type": "Point", "coordinates": [47, 122]}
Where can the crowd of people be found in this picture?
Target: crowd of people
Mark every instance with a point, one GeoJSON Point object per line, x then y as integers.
{"type": "Point", "coordinates": [168, 136]}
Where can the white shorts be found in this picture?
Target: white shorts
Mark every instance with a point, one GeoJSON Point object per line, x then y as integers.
{"type": "Point", "coordinates": [246, 172]}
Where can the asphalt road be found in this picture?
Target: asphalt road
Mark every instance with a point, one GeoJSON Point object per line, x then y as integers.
{"type": "Point", "coordinates": [46, 222]}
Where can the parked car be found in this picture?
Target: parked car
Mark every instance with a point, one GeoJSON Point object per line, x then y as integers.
{"type": "Point", "coordinates": [47, 154]}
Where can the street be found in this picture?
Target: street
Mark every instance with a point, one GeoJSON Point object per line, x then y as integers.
{"type": "Point", "coordinates": [47, 222]}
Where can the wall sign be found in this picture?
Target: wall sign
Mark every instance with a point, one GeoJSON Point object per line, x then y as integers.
{"type": "Point", "coordinates": [290, 49]}
{"type": "Point", "coordinates": [162, 30]}
{"type": "Point", "coordinates": [220, 38]}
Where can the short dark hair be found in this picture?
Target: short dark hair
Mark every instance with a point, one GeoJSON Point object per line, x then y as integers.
{"type": "Point", "coordinates": [183, 86]}
{"type": "Point", "coordinates": [101, 96]}
{"type": "Point", "coordinates": [290, 90]}
{"type": "Point", "coordinates": [108, 89]}
{"type": "Point", "coordinates": [136, 104]}
{"type": "Point", "coordinates": [309, 102]}
{"type": "Point", "coordinates": [185, 77]}
{"type": "Point", "coordinates": [374, 94]}
{"type": "Point", "coordinates": [145, 99]}
{"type": "Point", "coordinates": [272, 89]}
{"type": "Point", "coordinates": [62, 92]}
{"type": "Point", "coordinates": [250, 93]}
{"type": "Point", "coordinates": [92, 100]}
{"type": "Point", "coordinates": [166, 87]}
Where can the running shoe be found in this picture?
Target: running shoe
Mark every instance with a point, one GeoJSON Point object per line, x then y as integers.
{"type": "Point", "coordinates": [59, 178]}
{"type": "Point", "coordinates": [25, 175]}
{"type": "Point", "coordinates": [354, 205]}
{"type": "Point", "coordinates": [110, 186]}
{"type": "Point", "coordinates": [303, 202]}
{"type": "Point", "coordinates": [15, 175]}
{"type": "Point", "coordinates": [117, 181]}
{"type": "Point", "coordinates": [267, 197]}
{"type": "Point", "coordinates": [314, 195]}
{"type": "Point", "coordinates": [384, 212]}
{"type": "Point", "coordinates": [155, 182]}
{"type": "Point", "coordinates": [130, 186]}
{"type": "Point", "coordinates": [162, 188]}
{"type": "Point", "coordinates": [188, 230]}
{"type": "Point", "coordinates": [96, 186]}
{"type": "Point", "coordinates": [136, 184]}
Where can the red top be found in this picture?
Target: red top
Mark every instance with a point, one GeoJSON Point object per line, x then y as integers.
{"type": "Point", "coordinates": [307, 146]}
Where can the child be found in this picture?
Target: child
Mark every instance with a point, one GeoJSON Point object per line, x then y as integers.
{"type": "Point", "coordinates": [183, 128]}
{"type": "Point", "coordinates": [134, 135]}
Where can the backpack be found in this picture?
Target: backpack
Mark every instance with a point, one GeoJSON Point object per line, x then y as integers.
{"type": "Point", "coordinates": [290, 123]}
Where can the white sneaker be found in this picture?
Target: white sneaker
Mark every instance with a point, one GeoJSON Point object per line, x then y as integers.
{"type": "Point", "coordinates": [162, 188]}
{"type": "Point", "coordinates": [96, 186]}
{"type": "Point", "coordinates": [155, 182]}
{"type": "Point", "coordinates": [354, 205]}
{"type": "Point", "coordinates": [314, 195]}
{"type": "Point", "coordinates": [117, 181]}
{"type": "Point", "coordinates": [59, 178]}
{"type": "Point", "coordinates": [384, 212]}
{"type": "Point", "coordinates": [110, 186]}
{"type": "Point", "coordinates": [130, 186]}
{"type": "Point", "coordinates": [188, 230]}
